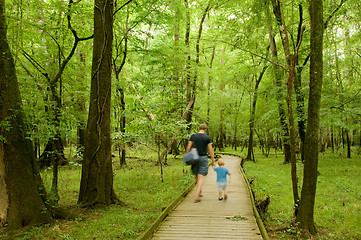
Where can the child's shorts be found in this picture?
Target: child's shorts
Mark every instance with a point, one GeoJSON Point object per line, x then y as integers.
{"type": "Point", "coordinates": [222, 186]}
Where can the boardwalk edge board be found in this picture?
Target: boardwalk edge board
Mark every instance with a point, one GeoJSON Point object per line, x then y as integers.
{"type": "Point", "coordinates": [149, 232]}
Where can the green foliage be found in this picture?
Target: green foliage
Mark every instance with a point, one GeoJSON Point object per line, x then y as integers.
{"type": "Point", "coordinates": [337, 198]}
{"type": "Point", "coordinates": [156, 68]}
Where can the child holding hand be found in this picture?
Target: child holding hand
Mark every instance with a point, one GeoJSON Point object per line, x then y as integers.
{"type": "Point", "coordinates": [222, 173]}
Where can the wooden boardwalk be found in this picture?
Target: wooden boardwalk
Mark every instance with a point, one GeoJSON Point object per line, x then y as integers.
{"type": "Point", "coordinates": [213, 219]}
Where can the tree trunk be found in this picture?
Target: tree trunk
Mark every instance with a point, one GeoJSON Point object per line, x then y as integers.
{"type": "Point", "coordinates": [290, 58]}
{"type": "Point", "coordinates": [209, 83]}
{"type": "Point", "coordinates": [122, 125]}
{"type": "Point", "coordinates": [96, 187]}
{"type": "Point", "coordinates": [220, 141]}
{"type": "Point", "coordinates": [188, 63]}
{"type": "Point", "coordinates": [80, 100]}
{"type": "Point", "coordinates": [301, 120]}
{"type": "Point", "coordinates": [280, 96]}
{"type": "Point", "coordinates": [305, 216]}
{"type": "Point", "coordinates": [348, 141]}
{"type": "Point", "coordinates": [20, 201]}
{"type": "Point", "coordinates": [332, 139]}
{"type": "Point", "coordinates": [53, 149]}
{"type": "Point", "coordinates": [250, 155]}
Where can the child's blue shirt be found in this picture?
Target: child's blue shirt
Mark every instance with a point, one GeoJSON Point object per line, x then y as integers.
{"type": "Point", "coordinates": [221, 173]}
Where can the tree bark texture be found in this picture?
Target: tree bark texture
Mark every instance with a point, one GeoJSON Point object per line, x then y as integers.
{"type": "Point", "coordinates": [297, 83]}
{"type": "Point", "coordinates": [305, 216]}
{"type": "Point", "coordinates": [20, 202]}
{"type": "Point", "coordinates": [188, 62]}
{"type": "Point", "coordinates": [250, 155]}
{"type": "Point", "coordinates": [280, 96]}
{"type": "Point", "coordinates": [96, 186]}
{"type": "Point", "coordinates": [290, 58]}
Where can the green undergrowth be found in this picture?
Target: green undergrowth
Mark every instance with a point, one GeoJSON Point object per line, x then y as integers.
{"type": "Point", "coordinates": [338, 197]}
{"type": "Point", "coordinates": [139, 187]}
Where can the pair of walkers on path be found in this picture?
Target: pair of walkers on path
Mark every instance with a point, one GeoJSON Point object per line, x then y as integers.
{"type": "Point", "coordinates": [203, 143]}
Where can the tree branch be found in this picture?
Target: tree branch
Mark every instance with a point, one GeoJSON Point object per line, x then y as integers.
{"type": "Point", "coordinates": [250, 52]}
{"type": "Point", "coordinates": [115, 12]}
{"type": "Point", "coordinates": [75, 44]}
{"type": "Point", "coordinates": [325, 25]}
{"type": "Point", "coordinates": [36, 65]}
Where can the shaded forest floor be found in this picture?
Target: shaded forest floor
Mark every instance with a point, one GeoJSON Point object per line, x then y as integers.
{"type": "Point", "coordinates": [338, 195]}
{"type": "Point", "coordinates": [139, 186]}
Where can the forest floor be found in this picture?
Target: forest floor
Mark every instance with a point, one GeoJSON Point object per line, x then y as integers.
{"type": "Point", "coordinates": [338, 195]}
{"type": "Point", "coordinates": [139, 186]}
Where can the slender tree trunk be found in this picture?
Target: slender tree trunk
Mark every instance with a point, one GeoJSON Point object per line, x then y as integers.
{"type": "Point", "coordinates": [122, 125]}
{"type": "Point", "coordinates": [81, 108]}
{"type": "Point", "coordinates": [332, 139]}
{"type": "Point", "coordinates": [292, 141]}
{"type": "Point", "coordinates": [235, 141]}
{"type": "Point", "coordinates": [250, 156]}
{"type": "Point", "coordinates": [220, 141]}
{"type": "Point", "coordinates": [348, 141]}
{"type": "Point", "coordinates": [20, 201]}
{"type": "Point", "coordinates": [301, 119]}
{"type": "Point", "coordinates": [210, 78]}
{"type": "Point", "coordinates": [305, 217]}
{"type": "Point", "coordinates": [191, 86]}
{"type": "Point", "coordinates": [96, 187]}
{"type": "Point", "coordinates": [188, 63]}
{"type": "Point", "coordinates": [170, 143]}
{"type": "Point", "coordinates": [280, 96]}
{"type": "Point", "coordinates": [290, 58]}
{"type": "Point", "coordinates": [54, 149]}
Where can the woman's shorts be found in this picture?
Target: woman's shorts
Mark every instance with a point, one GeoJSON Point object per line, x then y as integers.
{"type": "Point", "coordinates": [222, 186]}
{"type": "Point", "coordinates": [201, 166]}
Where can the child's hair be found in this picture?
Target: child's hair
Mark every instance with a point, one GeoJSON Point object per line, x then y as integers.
{"type": "Point", "coordinates": [221, 162]}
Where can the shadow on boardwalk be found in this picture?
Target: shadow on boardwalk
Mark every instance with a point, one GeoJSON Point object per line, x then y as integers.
{"type": "Point", "coordinates": [213, 219]}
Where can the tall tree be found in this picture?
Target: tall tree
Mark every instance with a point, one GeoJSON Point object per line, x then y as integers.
{"type": "Point", "coordinates": [305, 216]}
{"type": "Point", "coordinates": [20, 201]}
{"type": "Point", "coordinates": [121, 49]}
{"type": "Point", "coordinates": [280, 96]}
{"type": "Point", "coordinates": [297, 83]}
{"type": "Point", "coordinates": [253, 114]}
{"type": "Point", "coordinates": [96, 187]}
{"type": "Point", "coordinates": [188, 64]}
{"type": "Point", "coordinates": [291, 62]}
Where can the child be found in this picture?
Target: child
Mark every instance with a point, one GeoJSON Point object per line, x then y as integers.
{"type": "Point", "coordinates": [222, 173]}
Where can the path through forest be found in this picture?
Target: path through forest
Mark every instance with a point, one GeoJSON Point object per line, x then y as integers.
{"type": "Point", "coordinates": [213, 219]}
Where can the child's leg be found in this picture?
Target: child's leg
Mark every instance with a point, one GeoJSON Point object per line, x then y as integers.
{"type": "Point", "coordinates": [225, 194]}
{"type": "Point", "coordinates": [220, 195]}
